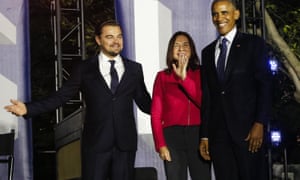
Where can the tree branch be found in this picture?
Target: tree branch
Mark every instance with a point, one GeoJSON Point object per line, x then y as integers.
{"type": "Point", "coordinates": [292, 63]}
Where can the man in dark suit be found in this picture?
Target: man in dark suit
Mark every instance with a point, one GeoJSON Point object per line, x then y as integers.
{"type": "Point", "coordinates": [236, 98]}
{"type": "Point", "coordinates": [109, 139]}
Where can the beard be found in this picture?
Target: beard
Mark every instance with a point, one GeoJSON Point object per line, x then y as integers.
{"type": "Point", "coordinates": [112, 53]}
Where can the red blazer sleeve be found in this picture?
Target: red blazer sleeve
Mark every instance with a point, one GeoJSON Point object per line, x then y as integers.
{"type": "Point", "coordinates": [156, 113]}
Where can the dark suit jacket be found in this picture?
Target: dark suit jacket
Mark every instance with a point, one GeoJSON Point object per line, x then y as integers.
{"type": "Point", "coordinates": [109, 117]}
{"type": "Point", "coordinates": [245, 96]}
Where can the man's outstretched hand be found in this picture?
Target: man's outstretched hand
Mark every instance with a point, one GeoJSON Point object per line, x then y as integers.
{"type": "Point", "coordinates": [17, 108]}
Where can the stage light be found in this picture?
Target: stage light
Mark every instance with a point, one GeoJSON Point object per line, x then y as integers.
{"type": "Point", "coordinates": [275, 137]}
{"type": "Point", "coordinates": [273, 65]}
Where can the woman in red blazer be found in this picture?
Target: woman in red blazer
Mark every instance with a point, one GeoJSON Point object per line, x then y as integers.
{"type": "Point", "coordinates": [175, 112]}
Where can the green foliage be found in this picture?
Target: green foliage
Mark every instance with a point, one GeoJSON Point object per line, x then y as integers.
{"type": "Point", "coordinates": [286, 16]}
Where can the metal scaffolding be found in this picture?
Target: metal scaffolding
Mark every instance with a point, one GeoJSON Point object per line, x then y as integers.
{"type": "Point", "coordinates": [253, 17]}
{"type": "Point", "coordinates": [68, 28]}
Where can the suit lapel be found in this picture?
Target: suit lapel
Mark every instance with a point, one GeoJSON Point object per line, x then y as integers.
{"type": "Point", "coordinates": [95, 65]}
{"type": "Point", "coordinates": [232, 56]}
{"type": "Point", "coordinates": [211, 60]}
{"type": "Point", "coordinates": [126, 75]}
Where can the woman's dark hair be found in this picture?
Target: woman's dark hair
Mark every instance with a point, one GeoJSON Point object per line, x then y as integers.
{"type": "Point", "coordinates": [193, 61]}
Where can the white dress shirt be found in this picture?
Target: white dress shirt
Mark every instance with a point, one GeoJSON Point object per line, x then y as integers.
{"type": "Point", "coordinates": [229, 36]}
{"type": "Point", "coordinates": [104, 66]}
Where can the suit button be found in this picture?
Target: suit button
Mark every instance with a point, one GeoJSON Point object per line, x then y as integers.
{"type": "Point", "coordinates": [223, 92]}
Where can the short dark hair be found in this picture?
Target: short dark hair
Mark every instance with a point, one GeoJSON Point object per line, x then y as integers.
{"type": "Point", "coordinates": [99, 27]}
{"type": "Point", "coordinates": [194, 59]}
{"type": "Point", "coordinates": [233, 2]}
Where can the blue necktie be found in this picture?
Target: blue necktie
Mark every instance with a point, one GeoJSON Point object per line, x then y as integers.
{"type": "Point", "coordinates": [114, 77]}
{"type": "Point", "coordinates": [221, 60]}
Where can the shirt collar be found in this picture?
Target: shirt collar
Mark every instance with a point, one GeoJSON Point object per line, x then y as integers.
{"type": "Point", "coordinates": [105, 58]}
{"type": "Point", "coordinates": [230, 36]}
